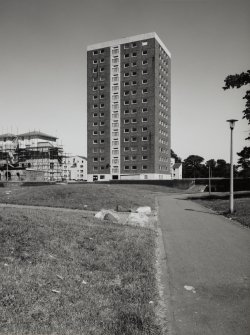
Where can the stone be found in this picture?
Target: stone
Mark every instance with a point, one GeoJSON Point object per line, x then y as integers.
{"type": "Point", "coordinates": [120, 208]}
{"type": "Point", "coordinates": [110, 217]}
{"type": "Point", "coordinates": [138, 219]}
{"type": "Point", "coordinates": [146, 210]}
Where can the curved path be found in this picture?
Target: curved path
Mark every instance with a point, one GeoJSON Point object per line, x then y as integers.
{"type": "Point", "coordinates": [208, 268]}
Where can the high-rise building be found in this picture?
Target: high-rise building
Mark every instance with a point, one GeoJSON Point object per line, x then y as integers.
{"type": "Point", "coordinates": [128, 106]}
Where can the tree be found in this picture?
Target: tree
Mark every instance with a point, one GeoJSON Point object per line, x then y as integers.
{"type": "Point", "coordinates": [244, 161]}
{"type": "Point", "coordinates": [222, 168]}
{"type": "Point", "coordinates": [237, 81]}
{"type": "Point", "coordinates": [192, 165]}
{"type": "Point", "coordinates": [175, 156]}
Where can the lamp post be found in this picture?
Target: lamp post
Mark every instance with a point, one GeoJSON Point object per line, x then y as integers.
{"type": "Point", "coordinates": [231, 124]}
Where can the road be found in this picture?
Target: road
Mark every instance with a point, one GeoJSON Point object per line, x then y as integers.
{"type": "Point", "coordinates": [208, 269]}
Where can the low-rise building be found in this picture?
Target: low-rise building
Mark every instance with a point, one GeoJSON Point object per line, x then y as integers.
{"type": "Point", "coordinates": [75, 168]}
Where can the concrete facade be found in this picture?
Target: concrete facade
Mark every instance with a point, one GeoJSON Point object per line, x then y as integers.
{"type": "Point", "coordinates": [128, 104]}
{"type": "Point", "coordinates": [75, 168]}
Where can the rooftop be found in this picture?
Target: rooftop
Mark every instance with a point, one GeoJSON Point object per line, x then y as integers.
{"type": "Point", "coordinates": [129, 40]}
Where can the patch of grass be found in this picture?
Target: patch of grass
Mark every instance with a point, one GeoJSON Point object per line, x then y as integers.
{"type": "Point", "coordinates": [63, 274]}
{"type": "Point", "coordinates": [241, 206]}
{"type": "Point", "coordinates": [84, 196]}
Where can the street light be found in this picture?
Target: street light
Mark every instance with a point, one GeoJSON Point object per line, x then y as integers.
{"type": "Point", "coordinates": [231, 124]}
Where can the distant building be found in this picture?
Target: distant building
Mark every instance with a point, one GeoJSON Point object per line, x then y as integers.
{"type": "Point", "coordinates": [128, 112]}
{"type": "Point", "coordinates": [176, 169]}
{"type": "Point", "coordinates": [33, 150]}
{"type": "Point", "coordinates": [75, 168]}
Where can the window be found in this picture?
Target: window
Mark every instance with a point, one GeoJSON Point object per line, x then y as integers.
{"type": "Point", "coordinates": [95, 52]}
{"type": "Point", "coordinates": [126, 92]}
{"type": "Point", "coordinates": [101, 151]}
{"type": "Point", "coordinates": [95, 61]}
{"type": "Point", "coordinates": [101, 69]}
{"type": "Point", "coordinates": [133, 82]}
{"type": "Point", "coordinates": [134, 110]}
{"type": "Point", "coordinates": [102, 132]}
{"type": "Point", "coordinates": [126, 148]}
{"type": "Point", "coordinates": [95, 115]}
{"type": "Point", "coordinates": [144, 148]}
{"type": "Point", "coordinates": [95, 70]}
{"type": "Point", "coordinates": [134, 101]}
{"type": "Point", "coordinates": [144, 43]}
{"type": "Point", "coordinates": [126, 56]}
{"type": "Point", "coordinates": [126, 167]}
{"type": "Point", "coordinates": [133, 73]}
{"type": "Point", "coordinates": [133, 158]}
{"type": "Point", "coordinates": [126, 111]}
{"type": "Point", "coordinates": [95, 97]}
{"type": "Point", "coordinates": [126, 65]}
{"type": "Point", "coordinates": [145, 90]}
{"type": "Point", "coordinates": [101, 141]}
{"type": "Point", "coordinates": [144, 138]}
{"type": "Point", "coordinates": [134, 92]}
{"type": "Point", "coordinates": [134, 129]}
{"type": "Point", "coordinates": [95, 88]}
{"type": "Point", "coordinates": [144, 71]}
{"type": "Point", "coordinates": [144, 81]}
{"type": "Point", "coordinates": [95, 106]}
{"type": "Point", "coordinates": [144, 62]}
{"type": "Point", "coordinates": [102, 51]}
{"type": "Point", "coordinates": [144, 52]}
{"type": "Point", "coordinates": [144, 100]}
{"type": "Point", "coordinates": [144, 157]}
{"type": "Point", "coordinates": [133, 120]}
{"type": "Point", "coordinates": [102, 60]}
{"type": "Point", "coordinates": [133, 139]}
{"type": "Point", "coordinates": [95, 123]}
{"type": "Point", "coordinates": [95, 132]}
{"type": "Point", "coordinates": [102, 87]}
{"type": "Point", "coordinates": [102, 96]}
{"type": "Point", "coordinates": [133, 45]}
{"type": "Point", "coordinates": [126, 83]}
{"type": "Point", "coordinates": [144, 119]}
{"type": "Point", "coordinates": [126, 139]}
{"type": "Point", "coordinates": [134, 167]}
{"type": "Point", "coordinates": [144, 167]}
{"type": "Point", "coordinates": [126, 121]}
{"type": "Point", "coordinates": [102, 114]}
{"type": "Point", "coordinates": [133, 148]}
{"type": "Point", "coordinates": [126, 158]}
{"type": "Point", "coordinates": [134, 64]}
{"type": "Point", "coordinates": [126, 102]}
{"type": "Point", "coordinates": [94, 141]}
{"type": "Point", "coordinates": [126, 46]}
{"type": "Point", "coordinates": [95, 159]}
{"type": "Point", "coordinates": [144, 128]}
{"type": "Point", "coordinates": [95, 168]}
{"type": "Point", "coordinates": [102, 105]}
{"type": "Point", "coordinates": [126, 130]}
{"type": "Point", "coordinates": [126, 74]}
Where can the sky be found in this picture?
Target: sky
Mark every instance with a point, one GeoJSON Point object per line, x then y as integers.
{"type": "Point", "coordinates": [43, 47]}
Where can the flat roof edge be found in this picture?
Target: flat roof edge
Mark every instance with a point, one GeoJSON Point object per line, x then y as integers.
{"type": "Point", "coordinates": [129, 40]}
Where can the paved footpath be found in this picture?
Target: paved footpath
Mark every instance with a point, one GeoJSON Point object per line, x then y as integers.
{"type": "Point", "coordinates": [208, 269]}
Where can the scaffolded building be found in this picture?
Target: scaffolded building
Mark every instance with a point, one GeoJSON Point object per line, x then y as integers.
{"type": "Point", "coordinates": [35, 151]}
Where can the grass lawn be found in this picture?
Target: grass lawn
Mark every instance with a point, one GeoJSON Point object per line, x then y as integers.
{"type": "Point", "coordinates": [241, 206]}
{"type": "Point", "coordinates": [84, 196]}
{"type": "Point", "coordinates": [63, 273]}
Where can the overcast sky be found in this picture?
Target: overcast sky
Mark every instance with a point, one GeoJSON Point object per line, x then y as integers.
{"type": "Point", "coordinates": [43, 65]}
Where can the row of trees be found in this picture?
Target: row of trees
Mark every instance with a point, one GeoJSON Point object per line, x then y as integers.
{"type": "Point", "coordinates": [195, 166]}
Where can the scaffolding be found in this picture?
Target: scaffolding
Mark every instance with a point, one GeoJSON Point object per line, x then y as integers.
{"type": "Point", "coordinates": [46, 158]}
